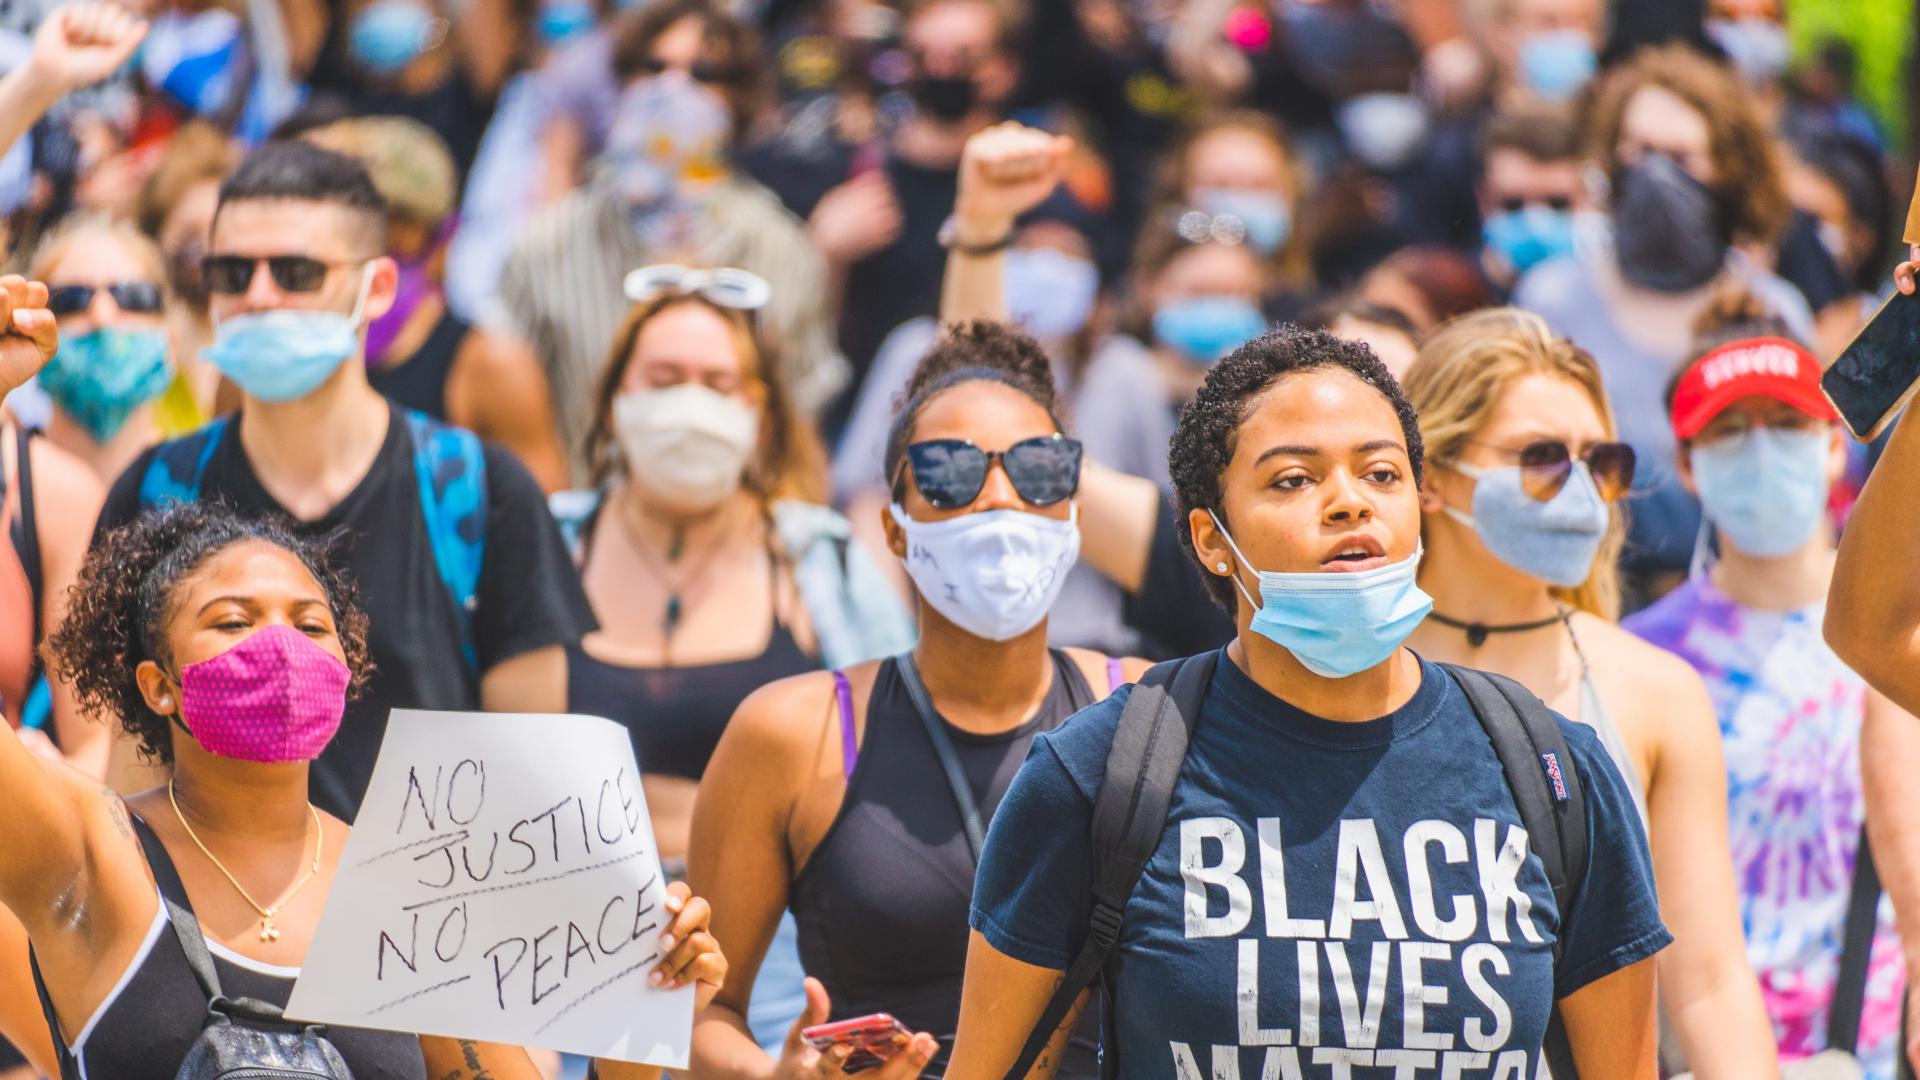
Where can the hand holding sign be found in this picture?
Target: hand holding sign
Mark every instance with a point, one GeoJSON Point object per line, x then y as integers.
{"type": "Point", "coordinates": [501, 883]}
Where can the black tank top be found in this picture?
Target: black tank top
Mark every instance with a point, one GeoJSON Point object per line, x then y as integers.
{"type": "Point", "coordinates": [420, 381]}
{"type": "Point", "coordinates": [145, 1027]}
{"type": "Point", "coordinates": [882, 903]}
{"type": "Point", "coordinates": [677, 714]}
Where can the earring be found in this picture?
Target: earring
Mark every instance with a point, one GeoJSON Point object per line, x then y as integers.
{"type": "Point", "coordinates": [1221, 567]}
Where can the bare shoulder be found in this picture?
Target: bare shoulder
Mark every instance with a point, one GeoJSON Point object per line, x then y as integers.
{"type": "Point", "coordinates": [787, 715]}
{"type": "Point", "coordinates": [1622, 657]}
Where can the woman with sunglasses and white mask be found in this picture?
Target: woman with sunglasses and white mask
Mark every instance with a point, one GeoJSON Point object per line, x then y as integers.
{"type": "Point", "coordinates": [857, 798]}
{"type": "Point", "coordinates": [1521, 541]}
{"type": "Point", "coordinates": [704, 549]}
{"type": "Point", "coordinates": [115, 387]}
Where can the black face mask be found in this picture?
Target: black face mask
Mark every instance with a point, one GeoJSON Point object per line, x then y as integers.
{"type": "Point", "coordinates": [1670, 231]}
{"type": "Point", "coordinates": [946, 98]}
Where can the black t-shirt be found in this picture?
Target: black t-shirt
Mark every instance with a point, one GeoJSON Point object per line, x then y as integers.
{"type": "Point", "coordinates": [529, 595]}
{"type": "Point", "coordinates": [902, 280]}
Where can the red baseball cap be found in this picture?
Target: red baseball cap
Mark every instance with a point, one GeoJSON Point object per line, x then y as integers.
{"type": "Point", "coordinates": [1753, 367]}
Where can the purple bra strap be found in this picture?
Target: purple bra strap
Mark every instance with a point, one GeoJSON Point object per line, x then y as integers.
{"type": "Point", "coordinates": [1116, 674]}
{"type": "Point", "coordinates": [849, 744]}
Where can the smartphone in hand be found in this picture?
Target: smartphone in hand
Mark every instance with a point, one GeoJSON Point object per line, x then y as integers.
{"type": "Point", "coordinates": [874, 1039]}
{"type": "Point", "coordinates": [1878, 372]}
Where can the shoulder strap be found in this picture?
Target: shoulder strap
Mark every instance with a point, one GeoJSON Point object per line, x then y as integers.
{"type": "Point", "coordinates": [69, 1065]}
{"type": "Point", "coordinates": [963, 799]}
{"type": "Point", "coordinates": [179, 910]}
{"type": "Point", "coordinates": [450, 466]}
{"type": "Point", "coordinates": [1553, 808]}
{"type": "Point", "coordinates": [1129, 816]}
{"type": "Point", "coordinates": [849, 739]}
{"type": "Point", "coordinates": [32, 559]}
{"type": "Point", "coordinates": [178, 465]}
{"type": "Point", "coordinates": [1850, 989]}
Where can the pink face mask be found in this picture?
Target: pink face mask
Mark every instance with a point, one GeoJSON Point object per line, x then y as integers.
{"type": "Point", "coordinates": [276, 696]}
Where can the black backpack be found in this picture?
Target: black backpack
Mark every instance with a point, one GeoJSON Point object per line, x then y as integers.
{"type": "Point", "coordinates": [241, 1039]}
{"type": "Point", "coordinates": [1150, 746]}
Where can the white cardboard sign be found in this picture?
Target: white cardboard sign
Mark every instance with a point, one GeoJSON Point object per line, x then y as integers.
{"type": "Point", "coordinates": [501, 883]}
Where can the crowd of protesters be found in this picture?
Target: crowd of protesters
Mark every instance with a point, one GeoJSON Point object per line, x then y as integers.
{"type": "Point", "coordinates": [891, 413]}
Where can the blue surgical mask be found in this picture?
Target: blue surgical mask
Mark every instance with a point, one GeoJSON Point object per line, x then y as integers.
{"type": "Point", "coordinates": [1556, 64]}
{"type": "Point", "coordinates": [1765, 490]}
{"type": "Point", "coordinates": [101, 378]}
{"type": "Point", "coordinates": [1049, 292]}
{"type": "Point", "coordinates": [1759, 48]}
{"type": "Point", "coordinates": [1336, 624]}
{"type": "Point", "coordinates": [1266, 216]}
{"type": "Point", "coordinates": [1206, 328]}
{"type": "Point", "coordinates": [563, 20]}
{"type": "Point", "coordinates": [1529, 236]}
{"type": "Point", "coordinates": [1555, 539]}
{"type": "Point", "coordinates": [388, 35]}
{"type": "Point", "coordinates": [286, 353]}
{"type": "Point", "coordinates": [1384, 130]}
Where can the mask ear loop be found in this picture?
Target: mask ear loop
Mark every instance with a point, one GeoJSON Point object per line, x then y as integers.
{"type": "Point", "coordinates": [1701, 565]}
{"type": "Point", "coordinates": [360, 303]}
{"type": "Point", "coordinates": [1235, 548]}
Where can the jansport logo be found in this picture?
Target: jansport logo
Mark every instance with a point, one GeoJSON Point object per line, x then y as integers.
{"type": "Point", "coordinates": [1559, 780]}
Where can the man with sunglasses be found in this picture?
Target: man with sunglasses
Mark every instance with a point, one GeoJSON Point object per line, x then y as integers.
{"type": "Point", "coordinates": [1529, 189]}
{"type": "Point", "coordinates": [1759, 445]}
{"type": "Point", "coordinates": [470, 592]}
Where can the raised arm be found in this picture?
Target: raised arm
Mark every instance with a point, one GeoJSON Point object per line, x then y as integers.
{"type": "Point", "coordinates": [1873, 609]}
{"type": "Point", "coordinates": [67, 498]}
{"type": "Point", "coordinates": [77, 45]}
{"type": "Point", "coordinates": [1005, 171]}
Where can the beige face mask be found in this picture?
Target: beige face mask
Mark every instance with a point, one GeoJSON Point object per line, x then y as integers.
{"type": "Point", "coordinates": [686, 447]}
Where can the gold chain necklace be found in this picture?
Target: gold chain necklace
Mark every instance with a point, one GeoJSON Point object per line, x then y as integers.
{"type": "Point", "coordinates": [268, 932]}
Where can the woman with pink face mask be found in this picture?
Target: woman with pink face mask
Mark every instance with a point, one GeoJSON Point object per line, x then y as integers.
{"type": "Point", "coordinates": [228, 647]}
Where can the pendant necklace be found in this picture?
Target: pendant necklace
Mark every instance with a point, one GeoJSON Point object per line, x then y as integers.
{"type": "Point", "coordinates": [268, 932]}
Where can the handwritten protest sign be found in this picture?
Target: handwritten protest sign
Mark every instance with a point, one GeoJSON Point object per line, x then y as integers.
{"type": "Point", "coordinates": [501, 883]}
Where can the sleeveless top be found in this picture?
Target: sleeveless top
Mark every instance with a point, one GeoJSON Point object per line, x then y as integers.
{"type": "Point", "coordinates": [882, 903]}
{"type": "Point", "coordinates": [1594, 714]}
{"type": "Point", "coordinates": [20, 570]}
{"type": "Point", "coordinates": [156, 1009]}
{"type": "Point", "coordinates": [676, 715]}
{"type": "Point", "coordinates": [420, 381]}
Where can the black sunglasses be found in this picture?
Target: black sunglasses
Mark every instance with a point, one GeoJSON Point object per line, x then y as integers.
{"type": "Point", "coordinates": [138, 297]}
{"type": "Point", "coordinates": [705, 72]}
{"type": "Point", "coordinates": [951, 472]}
{"type": "Point", "coordinates": [231, 275]}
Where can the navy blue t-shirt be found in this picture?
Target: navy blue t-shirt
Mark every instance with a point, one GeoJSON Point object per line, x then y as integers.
{"type": "Point", "coordinates": [1329, 899]}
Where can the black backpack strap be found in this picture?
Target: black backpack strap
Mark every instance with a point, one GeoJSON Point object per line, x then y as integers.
{"type": "Point", "coordinates": [1553, 807]}
{"type": "Point", "coordinates": [963, 800]}
{"type": "Point", "coordinates": [69, 1065]}
{"type": "Point", "coordinates": [1863, 917]}
{"type": "Point", "coordinates": [1129, 816]}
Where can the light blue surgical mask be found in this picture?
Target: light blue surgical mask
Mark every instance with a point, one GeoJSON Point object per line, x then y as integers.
{"type": "Point", "coordinates": [1555, 539]}
{"type": "Point", "coordinates": [564, 20]}
{"type": "Point", "coordinates": [1766, 489]}
{"type": "Point", "coordinates": [1759, 48]}
{"type": "Point", "coordinates": [388, 35]}
{"type": "Point", "coordinates": [1556, 64]}
{"type": "Point", "coordinates": [1266, 216]}
{"type": "Point", "coordinates": [1206, 328]}
{"type": "Point", "coordinates": [1336, 624]}
{"type": "Point", "coordinates": [1529, 236]}
{"type": "Point", "coordinates": [1049, 292]}
{"type": "Point", "coordinates": [101, 378]}
{"type": "Point", "coordinates": [286, 353]}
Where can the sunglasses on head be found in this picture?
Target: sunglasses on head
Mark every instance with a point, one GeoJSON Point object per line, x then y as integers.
{"type": "Point", "coordinates": [138, 297]}
{"type": "Point", "coordinates": [741, 290]}
{"type": "Point", "coordinates": [231, 275]}
{"type": "Point", "coordinates": [1546, 465]}
{"type": "Point", "coordinates": [951, 472]}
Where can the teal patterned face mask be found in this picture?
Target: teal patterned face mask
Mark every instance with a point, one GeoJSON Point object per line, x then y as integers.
{"type": "Point", "coordinates": [101, 378]}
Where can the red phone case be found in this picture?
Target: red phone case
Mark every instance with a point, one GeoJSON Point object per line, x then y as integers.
{"type": "Point", "coordinates": [874, 1039]}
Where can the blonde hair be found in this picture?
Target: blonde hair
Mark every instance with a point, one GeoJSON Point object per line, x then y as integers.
{"type": "Point", "coordinates": [1454, 386]}
{"type": "Point", "coordinates": [53, 246]}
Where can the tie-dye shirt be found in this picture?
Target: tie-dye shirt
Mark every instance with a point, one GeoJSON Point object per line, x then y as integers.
{"type": "Point", "coordinates": [1790, 716]}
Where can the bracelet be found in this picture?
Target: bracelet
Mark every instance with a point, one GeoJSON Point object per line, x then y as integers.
{"type": "Point", "coordinates": [950, 240]}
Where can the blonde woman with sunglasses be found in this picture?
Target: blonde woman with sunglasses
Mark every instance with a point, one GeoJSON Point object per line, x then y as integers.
{"type": "Point", "coordinates": [1522, 528]}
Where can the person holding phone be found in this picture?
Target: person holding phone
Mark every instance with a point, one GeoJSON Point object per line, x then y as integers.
{"type": "Point", "coordinates": [228, 646]}
{"type": "Point", "coordinates": [857, 798]}
{"type": "Point", "coordinates": [1522, 528]}
{"type": "Point", "coordinates": [1322, 893]}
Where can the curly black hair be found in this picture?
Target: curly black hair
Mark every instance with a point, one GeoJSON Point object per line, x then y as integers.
{"type": "Point", "coordinates": [124, 597]}
{"type": "Point", "coordinates": [978, 351]}
{"type": "Point", "coordinates": [1203, 441]}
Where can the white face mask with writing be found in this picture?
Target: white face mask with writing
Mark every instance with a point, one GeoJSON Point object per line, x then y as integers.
{"type": "Point", "coordinates": [686, 446]}
{"type": "Point", "coordinates": [995, 573]}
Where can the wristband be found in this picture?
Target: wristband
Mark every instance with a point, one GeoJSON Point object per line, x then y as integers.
{"type": "Point", "coordinates": [950, 240]}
